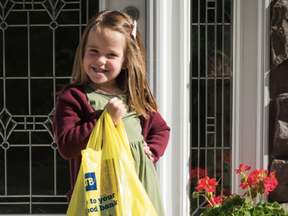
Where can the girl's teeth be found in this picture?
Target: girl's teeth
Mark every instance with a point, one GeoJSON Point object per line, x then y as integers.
{"type": "Point", "coordinates": [98, 70]}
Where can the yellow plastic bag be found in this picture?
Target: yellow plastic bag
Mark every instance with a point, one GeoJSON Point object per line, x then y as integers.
{"type": "Point", "coordinates": [107, 183]}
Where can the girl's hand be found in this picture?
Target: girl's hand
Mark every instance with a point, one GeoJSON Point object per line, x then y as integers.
{"type": "Point", "coordinates": [116, 109]}
{"type": "Point", "coordinates": [147, 151]}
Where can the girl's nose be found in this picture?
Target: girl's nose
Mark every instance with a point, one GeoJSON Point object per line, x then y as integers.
{"type": "Point", "coordinates": [101, 60]}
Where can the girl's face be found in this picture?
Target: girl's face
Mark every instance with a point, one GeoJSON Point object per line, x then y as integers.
{"type": "Point", "coordinates": [104, 57]}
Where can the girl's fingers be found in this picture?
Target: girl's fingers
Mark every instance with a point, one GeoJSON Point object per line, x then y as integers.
{"type": "Point", "coordinates": [116, 109]}
{"type": "Point", "coordinates": [147, 151]}
{"type": "Point", "coordinates": [114, 103]}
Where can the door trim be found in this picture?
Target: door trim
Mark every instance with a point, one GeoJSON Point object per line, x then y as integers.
{"type": "Point", "coordinates": [251, 44]}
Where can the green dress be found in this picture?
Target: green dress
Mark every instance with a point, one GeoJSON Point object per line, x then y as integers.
{"type": "Point", "coordinates": [143, 164]}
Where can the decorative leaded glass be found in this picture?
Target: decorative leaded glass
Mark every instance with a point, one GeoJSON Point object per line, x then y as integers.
{"type": "Point", "coordinates": [38, 40]}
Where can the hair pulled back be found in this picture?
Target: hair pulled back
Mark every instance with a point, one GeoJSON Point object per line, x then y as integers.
{"type": "Point", "coordinates": [132, 80]}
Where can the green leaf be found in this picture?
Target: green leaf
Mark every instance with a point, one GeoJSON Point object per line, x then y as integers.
{"type": "Point", "coordinates": [275, 205]}
{"type": "Point", "coordinates": [213, 211]}
{"type": "Point", "coordinates": [246, 213]}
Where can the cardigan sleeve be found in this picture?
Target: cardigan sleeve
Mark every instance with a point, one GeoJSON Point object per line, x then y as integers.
{"type": "Point", "coordinates": [156, 134]}
{"type": "Point", "coordinates": [73, 122]}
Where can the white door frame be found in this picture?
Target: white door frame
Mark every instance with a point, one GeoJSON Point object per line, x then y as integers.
{"type": "Point", "coordinates": [250, 86]}
{"type": "Point", "coordinates": [172, 78]}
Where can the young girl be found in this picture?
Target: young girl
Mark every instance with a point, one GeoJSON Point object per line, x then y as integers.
{"type": "Point", "coordinates": [109, 72]}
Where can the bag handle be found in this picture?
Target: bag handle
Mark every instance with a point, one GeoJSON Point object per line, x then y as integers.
{"type": "Point", "coordinates": [99, 132]}
{"type": "Point", "coordinates": [95, 139]}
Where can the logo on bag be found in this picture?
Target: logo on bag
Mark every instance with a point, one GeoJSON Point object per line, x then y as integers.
{"type": "Point", "coordinates": [90, 181]}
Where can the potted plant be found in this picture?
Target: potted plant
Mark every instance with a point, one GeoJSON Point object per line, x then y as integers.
{"type": "Point", "coordinates": [256, 183]}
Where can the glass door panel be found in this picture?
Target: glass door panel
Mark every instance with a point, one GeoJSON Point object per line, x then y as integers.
{"type": "Point", "coordinates": [211, 96]}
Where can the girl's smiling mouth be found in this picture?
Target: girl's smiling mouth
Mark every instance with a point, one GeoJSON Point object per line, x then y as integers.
{"type": "Point", "coordinates": [99, 70]}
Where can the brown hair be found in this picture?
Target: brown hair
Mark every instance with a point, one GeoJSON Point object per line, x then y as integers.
{"type": "Point", "coordinates": [132, 80]}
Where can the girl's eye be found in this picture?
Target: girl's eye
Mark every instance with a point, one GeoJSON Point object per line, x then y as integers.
{"type": "Point", "coordinates": [112, 54]}
{"type": "Point", "coordinates": [94, 51]}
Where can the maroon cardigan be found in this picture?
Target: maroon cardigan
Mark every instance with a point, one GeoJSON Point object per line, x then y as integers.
{"type": "Point", "coordinates": [74, 120]}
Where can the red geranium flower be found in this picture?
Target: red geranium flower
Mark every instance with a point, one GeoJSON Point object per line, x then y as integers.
{"type": "Point", "coordinates": [256, 183]}
{"type": "Point", "coordinates": [251, 180]}
{"type": "Point", "coordinates": [207, 184]}
{"type": "Point", "coordinates": [270, 183]}
{"type": "Point", "coordinates": [194, 173]}
{"type": "Point", "coordinates": [243, 185]}
{"type": "Point", "coordinates": [256, 178]}
{"type": "Point", "coordinates": [242, 168]}
{"type": "Point", "coordinates": [215, 200]}
{"type": "Point", "coordinates": [259, 173]}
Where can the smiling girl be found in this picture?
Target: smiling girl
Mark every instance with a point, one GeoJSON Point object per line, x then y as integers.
{"type": "Point", "coordinates": [109, 73]}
